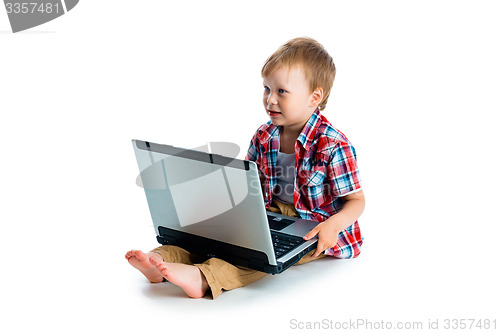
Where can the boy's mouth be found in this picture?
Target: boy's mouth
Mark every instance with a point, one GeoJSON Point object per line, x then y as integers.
{"type": "Point", "coordinates": [273, 113]}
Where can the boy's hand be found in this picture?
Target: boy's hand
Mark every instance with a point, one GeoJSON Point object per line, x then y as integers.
{"type": "Point", "coordinates": [328, 236]}
{"type": "Point", "coordinates": [328, 231]}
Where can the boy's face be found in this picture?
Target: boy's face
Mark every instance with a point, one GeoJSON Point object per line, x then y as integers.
{"type": "Point", "coordinates": [287, 98]}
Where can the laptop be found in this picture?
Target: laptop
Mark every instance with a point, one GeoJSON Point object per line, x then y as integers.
{"type": "Point", "coordinates": [212, 206]}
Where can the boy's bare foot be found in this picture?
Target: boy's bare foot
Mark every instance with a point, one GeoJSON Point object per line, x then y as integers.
{"type": "Point", "coordinates": [188, 277]}
{"type": "Point", "coordinates": [140, 260]}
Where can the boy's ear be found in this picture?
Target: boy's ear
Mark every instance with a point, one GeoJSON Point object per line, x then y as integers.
{"type": "Point", "coordinates": [316, 97]}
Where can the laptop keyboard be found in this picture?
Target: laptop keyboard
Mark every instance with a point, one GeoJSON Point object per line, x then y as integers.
{"type": "Point", "coordinates": [284, 243]}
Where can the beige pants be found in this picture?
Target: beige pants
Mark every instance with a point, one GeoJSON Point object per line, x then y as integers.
{"type": "Point", "coordinates": [220, 274]}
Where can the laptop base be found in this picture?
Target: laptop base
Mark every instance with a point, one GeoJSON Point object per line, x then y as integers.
{"type": "Point", "coordinates": [233, 254]}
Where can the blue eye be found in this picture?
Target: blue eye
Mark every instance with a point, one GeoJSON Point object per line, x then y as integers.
{"type": "Point", "coordinates": [282, 91]}
{"type": "Point", "coordinates": [266, 88]}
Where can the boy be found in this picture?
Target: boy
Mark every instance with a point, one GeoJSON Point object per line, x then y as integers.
{"type": "Point", "coordinates": [307, 169]}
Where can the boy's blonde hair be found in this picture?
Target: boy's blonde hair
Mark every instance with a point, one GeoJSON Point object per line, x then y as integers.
{"type": "Point", "coordinates": [311, 57]}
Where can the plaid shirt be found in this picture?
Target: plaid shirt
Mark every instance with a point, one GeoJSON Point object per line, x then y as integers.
{"type": "Point", "coordinates": [326, 170]}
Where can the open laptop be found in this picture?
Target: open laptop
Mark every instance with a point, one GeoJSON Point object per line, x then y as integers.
{"type": "Point", "coordinates": [213, 206]}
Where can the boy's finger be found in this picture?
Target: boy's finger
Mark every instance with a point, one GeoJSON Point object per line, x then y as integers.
{"type": "Point", "coordinates": [311, 234]}
{"type": "Point", "coordinates": [317, 252]}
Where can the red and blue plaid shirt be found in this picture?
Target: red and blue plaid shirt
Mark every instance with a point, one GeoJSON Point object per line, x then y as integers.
{"type": "Point", "coordinates": [326, 170]}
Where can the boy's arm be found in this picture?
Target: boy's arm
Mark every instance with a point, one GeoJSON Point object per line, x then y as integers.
{"type": "Point", "coordinates": [328, 230]}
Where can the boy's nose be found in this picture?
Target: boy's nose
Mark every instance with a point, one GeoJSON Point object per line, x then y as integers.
{"type": "Point", "coordinates": [271, 100]}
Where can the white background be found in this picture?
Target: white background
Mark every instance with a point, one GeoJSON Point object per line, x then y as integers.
{"type": "Point", "coordinates": [416, 93]}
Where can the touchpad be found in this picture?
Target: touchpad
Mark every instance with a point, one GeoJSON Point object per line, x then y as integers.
{"type": "Point", "coordinates": [277, 223]}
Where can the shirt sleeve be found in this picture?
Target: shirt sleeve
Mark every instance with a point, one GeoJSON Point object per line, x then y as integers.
{"type": "Point", "coordinates": [253, 151]}
{"type": "Point", "coordinates": [343, 173]}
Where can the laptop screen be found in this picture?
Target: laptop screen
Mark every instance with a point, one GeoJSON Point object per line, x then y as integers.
{"type": "Point", "coordinates": [194, 191]}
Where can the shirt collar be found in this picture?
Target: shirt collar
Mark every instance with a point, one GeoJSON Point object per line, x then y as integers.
{"type": "Point", "coordinates": [308, 133]}
{"type": "Point", "coordinates": [270, 132]}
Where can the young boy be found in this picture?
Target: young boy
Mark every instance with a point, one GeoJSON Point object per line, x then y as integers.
{"type": "Point", "coordinates": [307, 167]}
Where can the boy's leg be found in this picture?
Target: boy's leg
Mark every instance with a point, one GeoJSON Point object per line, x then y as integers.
{"type": "Point", "coordinates": [283, 208]}
{"type": "Point", "coordinates": [221, 275]}
{"type": "Point", "coordinates": [175, 254]}
{"type": "Point", "coordinates": [176, 266]}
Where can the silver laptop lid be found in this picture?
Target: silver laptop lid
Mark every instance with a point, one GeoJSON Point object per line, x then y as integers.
{"type": "Point", "coordinates": [204, 194]}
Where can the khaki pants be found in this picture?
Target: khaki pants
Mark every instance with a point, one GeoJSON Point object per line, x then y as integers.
{"type": "Point", "coordinates": [220, 274]}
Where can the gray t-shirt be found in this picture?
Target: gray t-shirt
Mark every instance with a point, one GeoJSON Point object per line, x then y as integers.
{"type": "Point", "coordinates": [285, 173]}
